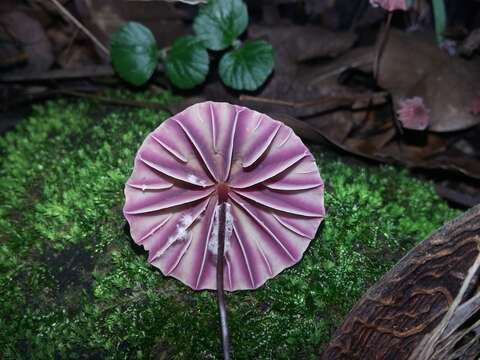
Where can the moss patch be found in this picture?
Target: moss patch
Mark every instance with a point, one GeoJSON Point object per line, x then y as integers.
{"type": "Point", "coordinates": [75, 286]}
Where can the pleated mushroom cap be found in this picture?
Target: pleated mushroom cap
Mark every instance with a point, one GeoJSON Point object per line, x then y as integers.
{"type": "Point", "coordinates": [218, 152]}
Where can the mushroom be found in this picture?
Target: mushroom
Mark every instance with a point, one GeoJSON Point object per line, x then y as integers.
{"type": "Point", "coordinates": [223, 197]}
{"type": "Point", "coordinates": [413, 114]}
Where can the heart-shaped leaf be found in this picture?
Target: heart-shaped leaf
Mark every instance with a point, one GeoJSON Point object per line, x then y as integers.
{"type": "Point", "coordinates": [220, 22]}
{"type": "Point", "coordinates": [134, 53]}
{"type": "Point", "coordinates": [248, 67]}
{"type": "Point", "coordinates": [187, 62]}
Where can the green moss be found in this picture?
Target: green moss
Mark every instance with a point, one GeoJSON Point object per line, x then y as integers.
{"type": "Point", "coordinates": [74, 285]}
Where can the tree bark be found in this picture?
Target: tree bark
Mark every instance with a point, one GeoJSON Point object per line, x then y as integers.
{"type": "Point", "coordinates": [426, 307]}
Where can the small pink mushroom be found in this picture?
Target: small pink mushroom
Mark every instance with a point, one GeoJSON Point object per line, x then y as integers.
{"type": "Point", "coordinates": [390, 5]}
{"type": "Point", "coordinates": [413, 114]}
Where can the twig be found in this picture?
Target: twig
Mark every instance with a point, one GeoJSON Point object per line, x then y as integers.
{"type": "Point", "coordinates": [70, 45]}
{"type": "Point", "coordinates": [132, 103]}
{"type": "Point", "coordinates": [220, 295]}
{"type": "Point", "coordinates": [77, 23]}
{"type": "Point", "coordinates": [381, 44]}
{"type": "Point", "coordinates": [322, 101]}
{"type": "Point", "coordinates": [83, 72]}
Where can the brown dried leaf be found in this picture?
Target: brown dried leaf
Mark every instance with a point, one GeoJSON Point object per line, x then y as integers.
{"type": "Point", "coordinates": [104, 17]}
{"type": "Point", "coordinates": [413, 65]}
{"type": "Point", "coordinates": [378, 139]}
{"type": "Point", "coordinates": [29, 36]}
{"type": "Point", "coordinates": [295, 44]}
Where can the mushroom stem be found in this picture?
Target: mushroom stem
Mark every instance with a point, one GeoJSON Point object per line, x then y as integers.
{"type": "Point", "coordinates": [381, 44]}
{"type": "Point", "coordinates": [220, 295]}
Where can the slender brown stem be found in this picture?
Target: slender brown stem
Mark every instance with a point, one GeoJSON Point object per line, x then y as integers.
{"type": "Point", "coordinates": [220, 295]}
{"type": "Point", "coordinates": [335, 100]}
{"type": "Point", "coordinates": [121, 102]}
{"type": "Point", "coordinates": [381, 44]}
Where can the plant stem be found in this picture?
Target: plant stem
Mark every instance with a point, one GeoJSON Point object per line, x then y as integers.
{"type": "Point", "coordinates": [220, 295]}
{"type": "Point", "coordinates": [381, 44]}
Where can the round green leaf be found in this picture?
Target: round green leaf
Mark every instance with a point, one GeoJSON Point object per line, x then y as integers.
{"type": "Point", "coordinates": [187, 62]}
{"type": "Point", "coordinates": [134, 53]}
{"type": "Point", "coordinates": [248, 67]}
{"type": "Point", "coordinates": [220, 22]}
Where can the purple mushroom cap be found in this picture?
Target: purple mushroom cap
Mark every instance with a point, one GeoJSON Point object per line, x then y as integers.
{"type": "Point", "coordinates": [217, 152]}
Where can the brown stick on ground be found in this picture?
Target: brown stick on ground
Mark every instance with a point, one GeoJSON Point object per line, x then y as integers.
{"type": "Point", "coordinates": [121, 102]}
{"type": "Point", "coordinates": [425, 306]}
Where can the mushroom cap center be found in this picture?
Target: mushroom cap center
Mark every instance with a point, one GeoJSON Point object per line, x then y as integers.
{"type": "Point", "coordinates": [222, 191]}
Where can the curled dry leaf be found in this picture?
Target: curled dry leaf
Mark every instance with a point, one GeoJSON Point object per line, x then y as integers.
{"type": "Point", "coordinates": [213, 153]}
{"type": "Point", "coordinates": [295, 44]}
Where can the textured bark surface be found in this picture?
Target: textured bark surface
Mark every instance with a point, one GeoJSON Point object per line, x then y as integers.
{"type": "Point", "coordinates": [410, 301]}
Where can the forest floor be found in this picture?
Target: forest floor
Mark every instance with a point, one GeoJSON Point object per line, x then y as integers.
{"type": "Point", "coordinates": [74, 285]}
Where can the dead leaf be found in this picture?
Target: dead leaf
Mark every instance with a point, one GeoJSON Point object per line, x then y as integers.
{"type": "Point", "coordinates": [407, 58]}
{"type": "Point", "coordinates": [448, 91]}
{"type": "Point", "coordinates": [459, 192]}
{"type": "Point", "coordinates": [28, 35]}
{"type": "Point", "coordinates": [104, 17]}
{"type": "Point", "coordinates": [294, 44]}
{"type": "Point", "coordinates": [412, 65]}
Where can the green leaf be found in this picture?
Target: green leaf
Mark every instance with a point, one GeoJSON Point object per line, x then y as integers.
{"type": "Point", "coordinates": [220, 22]}
{"type": "Point", "coordinates": [248, 67]}
{"type": "Point", "coordinates": [134, 53]}
{"type": "Point", "coordinates": [440, 16]}
{"type": "Point", "coordinates": [187, 62]}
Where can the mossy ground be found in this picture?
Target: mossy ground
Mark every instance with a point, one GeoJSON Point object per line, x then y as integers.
{"type": "Point", "coordinates": [73, 284]}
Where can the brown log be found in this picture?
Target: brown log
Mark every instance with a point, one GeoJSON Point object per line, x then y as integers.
{"type": "Point", "coordinates": [426, 307]}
